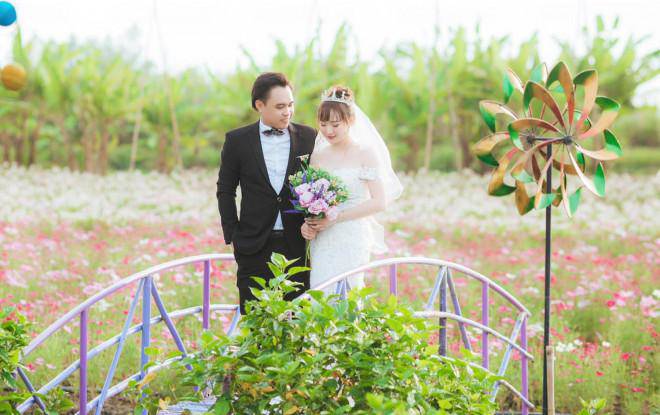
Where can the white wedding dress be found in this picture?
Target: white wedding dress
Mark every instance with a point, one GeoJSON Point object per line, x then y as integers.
{"type": "Point", "coordinates": [347, 245]}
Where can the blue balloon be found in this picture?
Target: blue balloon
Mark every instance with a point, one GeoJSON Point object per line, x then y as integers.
{"type": "Point", "coordinates": [7, 13]}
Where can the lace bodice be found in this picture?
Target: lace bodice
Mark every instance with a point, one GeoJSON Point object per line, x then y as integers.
{"type": "Point", "coordinates": [355, 179]}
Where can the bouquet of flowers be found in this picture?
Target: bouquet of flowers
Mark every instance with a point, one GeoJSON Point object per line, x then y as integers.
{"type": "Point", "coordinates": [316, 193]}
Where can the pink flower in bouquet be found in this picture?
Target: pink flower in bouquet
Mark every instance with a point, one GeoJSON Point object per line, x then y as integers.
{"type": "Point", "coordinates": [318, 206]}
{"type": "Point", "coordinates": [306, 199]}
{"type": "Point", "coordinates": [303, 188]}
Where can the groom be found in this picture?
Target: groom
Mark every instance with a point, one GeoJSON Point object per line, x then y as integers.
{"type": "Point", "coordinates": [260, 157]}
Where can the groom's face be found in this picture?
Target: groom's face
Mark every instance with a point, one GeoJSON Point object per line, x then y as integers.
{"type": "Point", "coordinates": [278, 108]}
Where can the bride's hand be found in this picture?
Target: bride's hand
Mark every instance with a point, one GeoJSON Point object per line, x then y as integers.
{"type": "Point", "coordinates": [319, 225]}
{"type": "Point", "coordinates": [307, 232]}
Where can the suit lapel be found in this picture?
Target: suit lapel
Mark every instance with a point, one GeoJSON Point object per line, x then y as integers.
{"type": "Point", "coordinates": [255, 143]}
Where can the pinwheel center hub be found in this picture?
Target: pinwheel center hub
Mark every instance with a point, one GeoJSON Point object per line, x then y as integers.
{"type": "Point", "coordinates": [567, 140]}
{"type": "Point", "coordinates": [531, 138]}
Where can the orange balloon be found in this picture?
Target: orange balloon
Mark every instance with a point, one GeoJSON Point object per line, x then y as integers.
{"type": "Point", "coordinates": [13, 76]}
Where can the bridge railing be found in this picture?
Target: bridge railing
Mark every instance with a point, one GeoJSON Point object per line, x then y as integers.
{"type": "Point", "coordinates": [147, 291]}
{"type": "Point", "coordinates": [444, 285]}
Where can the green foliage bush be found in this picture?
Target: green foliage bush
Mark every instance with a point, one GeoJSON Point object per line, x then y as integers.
{"type": "Point", "coordinates": [13, 338]}
{"type": "Point", "coordinates": [326, 355]}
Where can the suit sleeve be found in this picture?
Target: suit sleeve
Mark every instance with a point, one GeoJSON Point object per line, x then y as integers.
{"type": "Point", "coordinates": [228, 179]}
{"type": "Point", "coordinates": [312, 137]}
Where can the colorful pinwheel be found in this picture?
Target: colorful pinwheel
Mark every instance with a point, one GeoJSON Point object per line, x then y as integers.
{"type": "Point", "coordinates": [550, 122]}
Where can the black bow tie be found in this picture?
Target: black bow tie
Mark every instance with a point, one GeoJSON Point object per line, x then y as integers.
{"type": "Point", "coordinates": [273, 131]}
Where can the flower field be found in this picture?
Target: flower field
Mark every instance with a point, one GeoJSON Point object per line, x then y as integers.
{"type": "Point", "coordinates": [64, 236]}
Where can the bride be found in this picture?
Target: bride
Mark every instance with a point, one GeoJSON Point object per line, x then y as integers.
{"type": "Point", "coordinates": [349, 147]}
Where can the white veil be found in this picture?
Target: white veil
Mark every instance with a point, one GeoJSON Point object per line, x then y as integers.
{"type": "Point", "coordinates": [365, 135]}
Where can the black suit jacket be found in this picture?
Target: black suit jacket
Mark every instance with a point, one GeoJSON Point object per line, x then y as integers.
{"type": "Point", "coordinates": [242, 162]}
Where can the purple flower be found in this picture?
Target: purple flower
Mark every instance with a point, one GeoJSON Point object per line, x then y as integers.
{"type": "Point", "coordinates": [329, 196]}
{"type": "Point", "coordinates": [321, 185]}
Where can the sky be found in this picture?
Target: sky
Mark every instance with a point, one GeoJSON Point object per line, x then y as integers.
{"type": "Point", "coordinates": [176, 35]}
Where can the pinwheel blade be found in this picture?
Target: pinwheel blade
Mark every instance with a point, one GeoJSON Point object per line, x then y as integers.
{"type": "Point", "coordinates": [561, 73]}
{"type": "Point", "coordinates": [610, 112]}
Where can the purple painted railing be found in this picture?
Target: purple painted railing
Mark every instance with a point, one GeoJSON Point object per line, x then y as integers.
{"type": "Point", "coordinates": [147, 291]}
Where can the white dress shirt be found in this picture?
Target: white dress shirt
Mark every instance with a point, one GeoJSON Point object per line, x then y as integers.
{"type": "Point", "coordinates": [276, 155]}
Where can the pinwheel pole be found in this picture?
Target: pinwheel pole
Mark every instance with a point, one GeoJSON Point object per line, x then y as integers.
{"type": "Point", "coordinates": [524, 153]}
{"type": "Point", "coordinates": [547, 296]}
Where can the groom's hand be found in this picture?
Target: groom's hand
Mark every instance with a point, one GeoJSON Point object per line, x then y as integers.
{"type": "Point", "coordinates": [307, 232]}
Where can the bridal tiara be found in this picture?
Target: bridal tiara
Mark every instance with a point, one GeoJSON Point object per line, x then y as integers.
{"type": "Point", "coordinates": [330, 95]}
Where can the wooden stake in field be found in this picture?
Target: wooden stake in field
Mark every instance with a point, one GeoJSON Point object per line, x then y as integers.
{"type": "Point", "coordinates": [550, 358]}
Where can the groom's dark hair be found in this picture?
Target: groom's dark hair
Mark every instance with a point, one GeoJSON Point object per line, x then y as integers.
{"type": "Point", "coordinates": [264, 83]}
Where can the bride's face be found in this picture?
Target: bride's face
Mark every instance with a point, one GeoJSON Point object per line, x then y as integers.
{"type": "Point", "coordinates": [334, 130]}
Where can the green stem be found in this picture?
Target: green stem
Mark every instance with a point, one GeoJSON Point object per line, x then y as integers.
{"type": "Point", "coordinates": [307, 252]}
